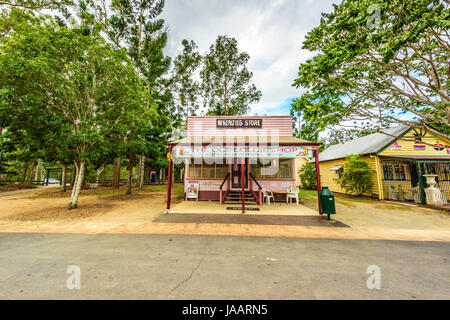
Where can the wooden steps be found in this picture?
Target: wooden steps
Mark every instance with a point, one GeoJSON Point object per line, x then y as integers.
{"type": "Point", "coordinates": [235, 197]}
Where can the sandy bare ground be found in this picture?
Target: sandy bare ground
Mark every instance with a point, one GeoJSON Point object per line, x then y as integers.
{"type": "Point", "coordinates": [101, 205]}
{"type": "Point", "coordinates": [364, 213]}
{"type": "Point", "coordinates": [110, 211]}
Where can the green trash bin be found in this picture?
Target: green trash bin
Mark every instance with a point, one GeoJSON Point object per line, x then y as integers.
{"type": "Point", "coordinates": [327, 202]}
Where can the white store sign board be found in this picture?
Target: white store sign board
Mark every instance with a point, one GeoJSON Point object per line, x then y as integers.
{"type": "Point", "coordinates": [265, 152]}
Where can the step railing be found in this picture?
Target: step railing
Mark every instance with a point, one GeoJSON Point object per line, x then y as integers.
{"type": "Point", "coordinates": [259, 188]}
{"type": "Point", "coordinates": [221, 187]}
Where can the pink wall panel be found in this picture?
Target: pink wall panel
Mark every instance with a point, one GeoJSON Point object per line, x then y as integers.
{"type": "Point", "coordinates": [281, 125]}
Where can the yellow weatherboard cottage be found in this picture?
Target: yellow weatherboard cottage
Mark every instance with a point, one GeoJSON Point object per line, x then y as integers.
{"type": "Point", "coordinates": [404, 161]}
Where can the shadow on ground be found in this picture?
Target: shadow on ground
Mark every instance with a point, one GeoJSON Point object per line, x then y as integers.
{"type": "Point", "coordinates": [307, 221]}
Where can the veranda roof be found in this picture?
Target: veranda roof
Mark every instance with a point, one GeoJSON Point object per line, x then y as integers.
{"type": "Point", "coordinates": [239, 140]}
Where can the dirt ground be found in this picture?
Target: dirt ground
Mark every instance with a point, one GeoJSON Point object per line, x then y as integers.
{"type": "Point", "coordinates": [106, 210]}
{"type": "Point", "coordinates": [100, 205]}
{"type": "Point", "coordinates": [371, 213]}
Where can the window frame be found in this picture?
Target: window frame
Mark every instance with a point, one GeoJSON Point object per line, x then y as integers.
{"type": "Point", "coordinates": [201, 171]}
{"type": "Point", "coordinates": [271, 177]}
{"type": "Point", "coordinates": [396, 175]}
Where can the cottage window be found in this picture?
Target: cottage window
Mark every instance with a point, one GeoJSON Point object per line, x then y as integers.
{"type": "Point", "coordinates": [340, 172]}
{"type": "Point", "coordinates": [394, 172]}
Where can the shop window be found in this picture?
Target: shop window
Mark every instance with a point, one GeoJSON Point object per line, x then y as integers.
{"type": "Point", "coordinates": [285, 170]}
{"type": "Point", "coordinates": [221, 170]}
{"type": "Point", "coordinates": [272, 169]}
{"type": "Point", "coordinates": [394, 172]}
{"type": "Point", "coordinates": [195, 170]}
{"type": "Point", "coordinates": [208, 169]}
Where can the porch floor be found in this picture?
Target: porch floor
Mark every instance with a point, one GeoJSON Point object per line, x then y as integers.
{"type": "Point", "coordinates": [214, 207]}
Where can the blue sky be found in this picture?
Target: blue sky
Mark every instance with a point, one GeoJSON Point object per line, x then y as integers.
{"type": "Point", "coordinates": [270, 31]}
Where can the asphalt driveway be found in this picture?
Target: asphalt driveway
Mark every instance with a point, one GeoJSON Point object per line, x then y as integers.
{"type": "Point", "coordinates": [127, 266]}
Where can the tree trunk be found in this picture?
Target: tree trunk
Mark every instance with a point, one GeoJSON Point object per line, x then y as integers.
{"type": "Point", "coordinates": [142, 173]}
{"type": "Point", "coordinates": [77, 186]}
{"type": "Point", "coordinates": [74, 173]}
{"type": "Point", "coordinates": [83, 184]}
{"type": "Point", "coordinates": [63, 178]}
{"type": "Point", "coordinates": [37, 171]}
{"type": "Point", "coordinates": [25, 172]}
{"type": "Point", "coordinates": [130, 173]}
{"type": "Point", "coordinates": [103, 176]}
{"type": "Point", "coordinates": [116, 173]}
{"type": "Point", "coordinates": [30, 180]}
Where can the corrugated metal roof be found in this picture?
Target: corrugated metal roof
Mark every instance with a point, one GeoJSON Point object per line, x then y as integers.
{"type": "Point", "coordinates": [371, 143]}
{"type": "Point", "coordinates": [421, 157]}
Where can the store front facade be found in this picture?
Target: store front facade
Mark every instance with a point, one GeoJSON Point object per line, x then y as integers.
{"type": "Point", "coordinates": [245, 154]}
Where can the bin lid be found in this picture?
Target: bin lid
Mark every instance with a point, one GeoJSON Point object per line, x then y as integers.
{"type": "Point", "coordinates": [325, 192]}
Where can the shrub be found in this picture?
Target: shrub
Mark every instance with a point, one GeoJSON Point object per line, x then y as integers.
{"type": "Point", "coordinates": [307, 174]}
{"type": "Point", "coordinates": [356, 178]}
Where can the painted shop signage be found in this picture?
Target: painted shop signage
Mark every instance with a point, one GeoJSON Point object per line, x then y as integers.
{"type": "Point", "coordinates": [239, 123]}
{"type": "Point", "coordinates": [420, 147]}
{"type": "Point", "coordinates": [271, 152]}
{"type": "Point", "coordinates": [438, 146]}
{"type": "Point", "coordinates": [396, 146]}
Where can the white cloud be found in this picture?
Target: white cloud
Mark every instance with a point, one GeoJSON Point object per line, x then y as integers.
{"type": "Point", "coordinates": [270, 31]}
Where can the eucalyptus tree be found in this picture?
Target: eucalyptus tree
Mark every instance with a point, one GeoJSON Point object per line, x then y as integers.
{"type": "Point", "coordinates": [136, 26]}
{"type": "Point", "coordinates": [385, 61]}
{"type": "Point", "coordinates": [75, 80]}
{"type": "Point", "coordinates": [185, 86]}
{"type": "Point", "coordinates": [226, 81]}
{"type": "Point", "coordinates": [34, 4]}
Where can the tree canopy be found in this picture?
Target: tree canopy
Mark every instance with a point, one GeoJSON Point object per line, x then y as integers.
{"type": "Point", "coordinates": [226, 81]}
{"type": "Point", "coordinates": [378, 63]}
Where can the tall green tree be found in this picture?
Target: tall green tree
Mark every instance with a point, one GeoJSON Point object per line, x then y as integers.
{"type": "Point", "coordinates": [383, 60]}
{"type": "Point", "coordinates": [136, 27]}
{"type": "Point", "coordinates": [226, 81]}
{"type": "Point", "coordinates": [74, 80]}
{"type": "Point", "coordinates": [34, 4]}
{"type": "Point", "coordinates": [184, 84]}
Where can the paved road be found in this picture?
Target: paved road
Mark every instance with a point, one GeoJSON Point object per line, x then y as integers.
{"type": "Point", "coordinates": [218, 267]}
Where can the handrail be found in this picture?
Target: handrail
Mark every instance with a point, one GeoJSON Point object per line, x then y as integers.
{"type": "Point", "coordinates": [260, 196]}
{"type": "Point", "coordinates": [221, 186]}
{"type": "Point", "coordinates": [256, 181]}
{"type": "Point", "coordinates": [224, 180]}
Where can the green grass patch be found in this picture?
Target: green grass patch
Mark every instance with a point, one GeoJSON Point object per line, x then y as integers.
{"type": "Point", "coordinates": [304, 194]}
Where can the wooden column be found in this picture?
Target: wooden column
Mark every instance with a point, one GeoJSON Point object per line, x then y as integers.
{"type": "Point", "coordinates": [243, 184]}
{"type": "Point", "coordinates": [423, 199]}
{"type": "Point", "coordinates": [169, 181]}
{"type": "Point", "coordinates": [319, 187]}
